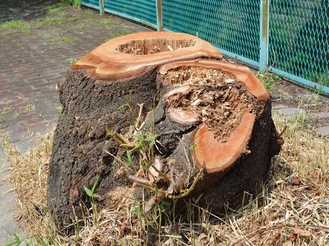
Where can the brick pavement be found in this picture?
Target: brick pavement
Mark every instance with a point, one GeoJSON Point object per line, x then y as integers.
{"type": "Point", "coordinates": [33, 61]}
{"type": "Point", "coordinates": [33, 58]}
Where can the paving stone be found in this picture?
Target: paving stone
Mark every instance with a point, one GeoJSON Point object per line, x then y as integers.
{"type": "Point", "coordinates": [278, 106]}
{"type": "Point", "coordinates": [291, 111]}
{"type": "Point", "coordinates": [321, 115]}
{"type": "Point", "coordinates": [324, 130]}
{"type": "Point", "coordinates": [8, 222]}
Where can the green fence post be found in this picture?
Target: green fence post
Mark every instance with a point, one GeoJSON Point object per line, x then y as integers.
{"type": "Point", "coordinates": [101, 7]}
{"type": "Point", "coordinates": [159, 15]}
{"type": "Point", "coordinates": [263, 37]}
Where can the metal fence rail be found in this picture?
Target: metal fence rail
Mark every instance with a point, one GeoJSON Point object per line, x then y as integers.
{"type": "Point", "coordinates": [287, 37]}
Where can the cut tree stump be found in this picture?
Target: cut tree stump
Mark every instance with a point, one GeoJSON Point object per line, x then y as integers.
{"type": "Point", "coordinates": [210, 121]}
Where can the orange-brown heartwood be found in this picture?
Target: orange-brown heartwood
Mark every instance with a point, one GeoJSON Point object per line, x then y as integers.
{"type": "Point", "coordinates": [215, 135]}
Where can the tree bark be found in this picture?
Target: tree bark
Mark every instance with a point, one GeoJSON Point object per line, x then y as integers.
{"type": "Point", "coordinates": [215, 135]}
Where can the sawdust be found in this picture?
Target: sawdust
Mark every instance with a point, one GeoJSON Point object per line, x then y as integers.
{"type": "Point", "coordinates": [147, 47]}
{"type": "Point", "coordinates": [217, 96]}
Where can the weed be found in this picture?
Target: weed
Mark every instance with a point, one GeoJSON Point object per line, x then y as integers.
{"type": "Point", "coordinates": [59, 19]}
{"type": "Point", "coordinates": [47, 36]}
{"type": "Point", "coordinates": [193, 146]}
{"type": "Point", "coordinates": [310, 99]}
{"type": "Point", "coordinates": [67, 40]}
{"type": "Point", "coordinates": [64, 40]}
{"type": "Point", "coordinates": [55, 9]}
{"type": "Point", "coordinates": [18, 241]}
{"type": "Point", "coordinates": [59, 109]}
{"type": "Point", "coordinates": [72, 60]}
{"type": "Point", "coordinates": [29, 108]}
{"type": "Point", "coordinates": [15, 25]}
{"type": "Point", "coordinates": [268, 79]}
{"type": "Point", "coordinates": [301, 118]}
{"type": "Point", "coordinates": [105, 21]}
{"type": "Point", "coordinates": [62, 14]}
{"type": "Point", "coordinates": [46, 43]}
{"type": "Point", "coordinates": [16, 115]}
{"type": "Point", "coordinates": [324, 79]}
{"type": "Point", "coordinates": [72, 18]}
{"type": "Point", "coordinates": [77, 4]}
{"type": "Point", "coordinates": [91, 193]}
{"type": "Point", "coordinates": [66, 1]}
{"type": "Point", "coordinates": [89, 13]}
{"type": "Point", "coordinates": [13, 10]}
{"type": "Point", "coordinates": [117, 34]}
{"type": "Point", "coordinates": [4, 109]}
{"type": "Point", "coordinates": [81, 25]}
{"type": "Point", "coordinates": [50, 20]}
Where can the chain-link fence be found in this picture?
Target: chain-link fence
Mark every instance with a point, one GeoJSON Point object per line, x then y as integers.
{"type": "Point", "coordinates": [299, 38]}
{"type": "Point", "coordinates": [287, 37]}
{"type": "Point", "coordinates": [231, 25]}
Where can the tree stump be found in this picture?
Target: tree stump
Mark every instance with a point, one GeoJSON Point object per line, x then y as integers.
{"type": "Point", "coordinates": [207, 124]}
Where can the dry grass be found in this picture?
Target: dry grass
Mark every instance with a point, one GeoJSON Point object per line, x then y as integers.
{"type": "Point", "coordinates": [292, 207]}
{"type": "Point", "coordinates": [29, 174]}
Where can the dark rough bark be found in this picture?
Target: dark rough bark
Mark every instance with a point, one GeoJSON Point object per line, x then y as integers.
{"type": "Point", "coordinates": [80, 139]}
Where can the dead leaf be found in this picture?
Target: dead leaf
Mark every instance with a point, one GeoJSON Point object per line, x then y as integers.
{"type": "Point", "coordinates": [288, 243]}
{"type": "Point", "coordinates": [292, 236]}
{"type": "Point", "coordinates": [295, 181]}
{"type": "Point", "coordinates": [301, 232]}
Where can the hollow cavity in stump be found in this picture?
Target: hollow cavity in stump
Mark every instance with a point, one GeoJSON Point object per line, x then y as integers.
{"type": "Point", "coordinates": [216, 96]}
{"type": "Point", "coordinates": [147, 47]}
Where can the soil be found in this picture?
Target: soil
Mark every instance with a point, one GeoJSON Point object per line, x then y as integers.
{"type": "Point", "coordinates": [292, 95]}
{"type": "Point", "coordinates": [23, 10]}
{"type": "Point", "coordinates": [287, 94]}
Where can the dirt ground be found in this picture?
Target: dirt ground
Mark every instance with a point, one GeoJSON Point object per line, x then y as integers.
{"type": "Point", "coordinates": [23, 10]}
{"type": "Point", "coordinates": [315, 105]}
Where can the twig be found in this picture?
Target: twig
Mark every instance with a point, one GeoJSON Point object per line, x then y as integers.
{"type": "Point", "coordinates": [283, 131]}
{"type": "Point", "coordinates": [138, 128]}
{"type": "Point", "coordinates": [118, 159]}
{"type": "Point", "coordinates": [119, 139]}
{"type": "Point", "coordinates": [257, 231]}
{"type": "Point", "coordinates": [189, 190]}
{"type": "Point", "coordinates": [122, 172]}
